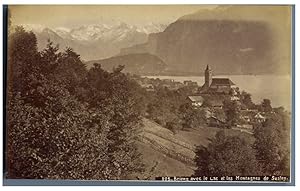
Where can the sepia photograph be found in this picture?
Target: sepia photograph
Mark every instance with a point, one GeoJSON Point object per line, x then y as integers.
{"type": "Point", "coordinates": [158, 94]}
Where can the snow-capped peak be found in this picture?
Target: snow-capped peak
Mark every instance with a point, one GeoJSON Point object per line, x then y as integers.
{"type": "Point", "coordinates": [62, 29]}
{"type": "Point", "coordinates": [114, 30]}
{"type": "Point", "coordinates": [152, 28]}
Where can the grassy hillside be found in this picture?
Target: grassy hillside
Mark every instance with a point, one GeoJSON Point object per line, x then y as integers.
{"type": "Point", "coordinates": [168, 154]}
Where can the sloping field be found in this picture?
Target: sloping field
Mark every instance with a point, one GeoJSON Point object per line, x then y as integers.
{"type": "Point", "coordinates": [159, 164]}
{"type": "Point", "coordinates": [168, 154]}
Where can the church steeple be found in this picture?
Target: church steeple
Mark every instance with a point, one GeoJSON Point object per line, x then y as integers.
{"type": "Point", "coordinates": [208, 76]}
{"type": "Point", "coordinates": [207, 67]}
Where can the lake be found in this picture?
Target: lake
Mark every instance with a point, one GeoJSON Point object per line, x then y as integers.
{"type": "Point", "coordinates": [277, 88]}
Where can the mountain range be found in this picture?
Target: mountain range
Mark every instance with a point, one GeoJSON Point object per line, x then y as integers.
{"type": "Point", "coordinates": [231, 39]}
{"type": "Point", "coordinates": [97, 41]}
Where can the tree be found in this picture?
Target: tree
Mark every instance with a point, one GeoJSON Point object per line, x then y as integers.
{"type": "Point", "coordinates": [172, 126]}
{"type": "Point", "coordinates": [246, 100]}
{"type": "Point", "coordinates": [219, 113]}
{"type": "Point", "coordinates": [163, 105]}
{"type": "Point", "coordinates": [54, 143]}
{"type": "Point", "coordinates": [71, 71]}
{"type": "Point", "coordinates": [54, 134]}
{"type": "Point", "coordinates": [113, 95]}
{"type": "Point", "coordinates": [266, 105]}
{"type": "Point", "coordinates": [232, 112]}
{"type": "Point", "coordinates": [155, 111]}
{"type": "Point", "coordinates": [50, 58]}
{"type": "Point", "coordinates": [23, 62]}
{"type": "Point", "coordinates": [50, 134]}
{"type": "Point", "coordinates": [226, 156]}
{"type": "Point", "coordinates": [191, 117]}
{"type": "Point", "coordinates": [272, 144]}
{"type": "Point", "coordinates": [207, 103]}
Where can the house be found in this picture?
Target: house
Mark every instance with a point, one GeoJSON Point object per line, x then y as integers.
{"type": "Point", "coordinates": [196, 101]}
{"type": "Point", "coordinates": [259, 117]}
{"type": "Point", "coordinates": [213, 101]}
{"type": "Point", "coordinates": [148, 87]}
{"type": "Point", "coordinates": [216, 85]}
{"type": "Point", "coordinates": [247, 115]}
{"type": "Point", "coordinates": [167, 81]}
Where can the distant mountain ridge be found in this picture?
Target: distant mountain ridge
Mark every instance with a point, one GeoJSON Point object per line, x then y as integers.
{"type": "Point", "coordinates": [142, 64]}
{"type": "Point", "coordinates": [231, 39]}
{"type": "Point", "coordinates": [95, 41]}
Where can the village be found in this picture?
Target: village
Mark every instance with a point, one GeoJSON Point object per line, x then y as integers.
{"type": "Point", "coordinates": [210, 98]}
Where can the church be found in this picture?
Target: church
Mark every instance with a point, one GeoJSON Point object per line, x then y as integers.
{"type": "Point", "coordinates": [213, 90]}
{"type": "Point", "coordinates": [215, 85]}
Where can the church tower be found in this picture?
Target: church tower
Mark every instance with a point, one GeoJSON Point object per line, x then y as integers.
{"type": "Point", "coordinates": [208, 76]}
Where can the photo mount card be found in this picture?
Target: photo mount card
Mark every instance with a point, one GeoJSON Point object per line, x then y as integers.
{"type": "Point", "coordinates": [183, 95]}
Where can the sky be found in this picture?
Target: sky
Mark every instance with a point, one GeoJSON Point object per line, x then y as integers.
{"type": "Point", "coordinates": [72, 16]}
